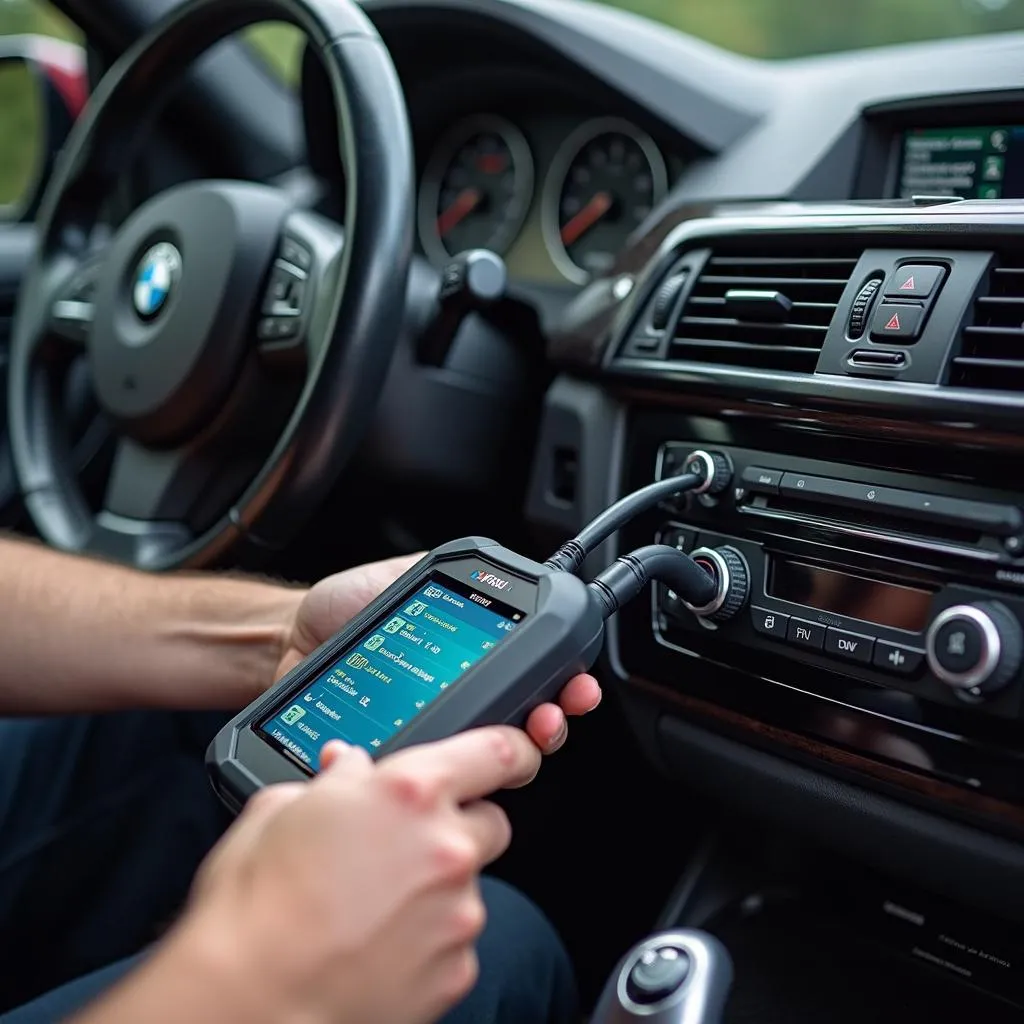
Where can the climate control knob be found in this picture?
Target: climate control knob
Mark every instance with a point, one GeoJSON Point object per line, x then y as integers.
{"type": "Point", "coordinates": [714, 470]}
{"type": "Point", "coordinates": [975, 648]}
{"type": "Point", "coordinates": [728, 568]}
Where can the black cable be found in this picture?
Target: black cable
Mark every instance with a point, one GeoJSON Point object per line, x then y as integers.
{"type": "Point", "coordinates": [627, 576]}
{"type": "Point", "coordinates": [571, 555]}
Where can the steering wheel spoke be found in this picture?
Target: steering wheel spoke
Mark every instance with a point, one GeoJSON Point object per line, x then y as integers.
{"type": "Point", "coordinates": [295, 307]}
{"type": "Point", "coordinates": [72, 306]}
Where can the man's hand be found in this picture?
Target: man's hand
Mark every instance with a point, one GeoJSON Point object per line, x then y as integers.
{"type": "Point", "coordinates": [353, 897]}
{"type": "Point", "coordinates": [336, 599]}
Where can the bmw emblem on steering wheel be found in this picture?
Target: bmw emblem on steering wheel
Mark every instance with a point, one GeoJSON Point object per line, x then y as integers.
{"type": "Point", "coordinates": [157, 274]}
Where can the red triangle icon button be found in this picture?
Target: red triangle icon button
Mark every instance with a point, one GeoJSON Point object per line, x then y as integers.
{"type": "Point", "coordinates": [894, 323]}
{"type": "Point", "coordinates": [908, 285]}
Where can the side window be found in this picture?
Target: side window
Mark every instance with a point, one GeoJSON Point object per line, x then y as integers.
{"type": "Point", "coordinates": [279, 46]}
{"type": "Point", "coordinates": [42, 89]}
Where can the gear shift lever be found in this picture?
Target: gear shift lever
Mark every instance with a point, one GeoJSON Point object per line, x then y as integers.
{"type": "Point", "coordinates": [677, 977]}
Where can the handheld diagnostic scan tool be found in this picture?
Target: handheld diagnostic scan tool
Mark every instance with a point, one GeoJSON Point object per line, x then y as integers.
{"type": "Point", "coordinates": [472, 635]}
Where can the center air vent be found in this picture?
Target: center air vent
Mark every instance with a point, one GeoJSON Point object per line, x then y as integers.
{"type": "Point", "coordinates": [992, 346]}
{"type": "Point", "coordinates": [765, 306]}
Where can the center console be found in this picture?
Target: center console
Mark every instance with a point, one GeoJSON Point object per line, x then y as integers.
{"type": "Point", "coordinates": [849, 384]}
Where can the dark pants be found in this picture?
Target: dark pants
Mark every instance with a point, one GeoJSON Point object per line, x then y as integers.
{"type": "Point", "coordinates": [103, 821]}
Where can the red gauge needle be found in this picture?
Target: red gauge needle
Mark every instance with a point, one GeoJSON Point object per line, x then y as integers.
{"type": "Point", "coordinates": [462, 206]}
{"type": "Point", "coordinates": [586, 218]}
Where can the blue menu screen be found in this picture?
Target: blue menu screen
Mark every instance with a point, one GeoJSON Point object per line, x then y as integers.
{"type": "Point", "coordinates": [388, 676]}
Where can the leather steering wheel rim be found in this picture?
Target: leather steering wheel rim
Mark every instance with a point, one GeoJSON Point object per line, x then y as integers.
{"type": "Point", "coordinates": [356, 311]}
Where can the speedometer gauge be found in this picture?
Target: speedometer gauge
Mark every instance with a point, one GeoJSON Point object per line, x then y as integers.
{"type": "Point", "coordinates": [604, 182]}
{"type": "Point", "coordinates": [476, 189]}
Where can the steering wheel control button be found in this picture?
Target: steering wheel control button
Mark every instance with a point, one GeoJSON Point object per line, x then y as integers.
{"type": "Point", "coordinates": [915, 281]}
{"type": "Point", "coordinates": [156, 278]}
{"type": "Point", "coordinates": [806, 634]}
{"type": "Point", "coordinates": [295, 254]}
{"type": "Point", "coordinates": [286, 290]}
{"type": "Point", "coordinates": [657, 975]}
{"type": "Point", "coordinates": [851, 646]}
{"type": "Point", "coordinates": [897, 659]}
{"type": "Point", "coordinates": [713, 469]}
{"type": "Point", "coordinates": [770, 623]}
{"type": "Point", "coordinates": [975, 648]}
{"type": "Point", "coordinates": [277, 328]}
{"type": "Point", "coordinates": [762, 481]}
{"type": "Point", "coordinates": [728, 568]}
{"type": "Point", "coordinates": [897, 322]}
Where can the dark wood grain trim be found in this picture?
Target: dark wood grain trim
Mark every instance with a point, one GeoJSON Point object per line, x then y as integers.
{"type": "Point", "coordinates": [929, 787]}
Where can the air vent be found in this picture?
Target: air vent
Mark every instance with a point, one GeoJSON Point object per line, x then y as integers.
{"type": "Point", "coordinates": [765, 306]}
{"type": "Point", "coordinates": [992, 346]}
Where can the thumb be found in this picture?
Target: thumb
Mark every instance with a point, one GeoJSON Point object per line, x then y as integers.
{"type": "Point", "coordinates": [338, 759]}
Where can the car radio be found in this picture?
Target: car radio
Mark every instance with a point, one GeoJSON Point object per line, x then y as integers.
{"type": "Point", "coordinates": [889, 579]}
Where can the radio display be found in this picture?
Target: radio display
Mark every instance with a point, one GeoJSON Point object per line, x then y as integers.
{"type": "Point", "coordinates": [973, 163]}
{"type": "Point", "coordinates": [885, 604]}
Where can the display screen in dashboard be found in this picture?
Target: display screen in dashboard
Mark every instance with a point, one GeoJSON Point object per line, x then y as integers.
{"type": "Point", "coordinates": [973, 163]}
{"type": "Point", "coordinates": [885, 604]}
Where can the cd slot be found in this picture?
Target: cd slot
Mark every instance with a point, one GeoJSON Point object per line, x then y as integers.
{"type": "Point", "coordinates": [876, 521]}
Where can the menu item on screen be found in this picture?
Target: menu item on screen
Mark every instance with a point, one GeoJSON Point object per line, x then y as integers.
{"type": "Point", "coordinates": [973, 163]}
{"type": "Point", "coordinates": [388, 676]}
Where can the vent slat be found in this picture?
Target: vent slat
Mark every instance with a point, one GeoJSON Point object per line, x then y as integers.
{"type": "Point", "coordinates": [781, 261]}
{"type": "Point", "coordinates": [752, 325]}
{"type": "Point", "coordinates": [770, 281]}
{"type": "Point", "coordinates": [811, 275]}
{"type": "Point", "coordinates": [991, 356]}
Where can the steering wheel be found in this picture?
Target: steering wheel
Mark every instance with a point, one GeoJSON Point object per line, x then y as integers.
{"type": "Point", "coordinates": [236, 343]}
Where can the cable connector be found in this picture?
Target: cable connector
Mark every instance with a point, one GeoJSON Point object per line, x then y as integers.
{"type": "Point", "coordinates": [627, 576]}
{"type": "Point", "coordinates": [572, 554]}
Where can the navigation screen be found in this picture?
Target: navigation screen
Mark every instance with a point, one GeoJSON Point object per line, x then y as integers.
{"type": "Point", "coordinates": [386, 678]}
{"type": "Point", "coordinates": [973, 163]}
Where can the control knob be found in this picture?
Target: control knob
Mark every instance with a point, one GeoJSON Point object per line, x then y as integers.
{"type": "Point", "coordinates": [728, 568]}
{"type": "Point", "coordinates": [713, 469]}
{"type": "Point", "coordinates": [976, 649]}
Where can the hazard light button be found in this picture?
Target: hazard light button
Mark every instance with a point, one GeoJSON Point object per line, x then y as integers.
{"type": "Point", "coordinates": [897, 323]}
{"type": "Point", "coordinates": [914, 281]}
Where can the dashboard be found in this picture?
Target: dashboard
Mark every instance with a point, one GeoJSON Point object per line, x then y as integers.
{"type": "Point", "coordinates": [826, 303]}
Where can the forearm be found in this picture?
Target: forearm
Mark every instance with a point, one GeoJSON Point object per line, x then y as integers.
{"type": "Point", "coordinates": [80, 635]}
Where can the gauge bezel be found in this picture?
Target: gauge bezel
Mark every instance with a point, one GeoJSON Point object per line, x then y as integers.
{"type": "Point", "coordinates": [440, 160]}
{"type": "Point", "coordinates": [567, 152]}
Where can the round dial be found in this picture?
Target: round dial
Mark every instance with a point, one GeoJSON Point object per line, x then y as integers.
{"type": "Point", "coordinates": [476, 189]}
{"type": "Point", "coordinates": [603, 184]}
{"type": "Point", "coordinates": [729, 569]}
{"type": "Point", "coordinates": [976, 649]}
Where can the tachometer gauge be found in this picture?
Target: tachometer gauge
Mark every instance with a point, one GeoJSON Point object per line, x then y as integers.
{"type": "Point", "coordinates": [603, 184]}
{"type": "Point", "coordinates": [476, 189]}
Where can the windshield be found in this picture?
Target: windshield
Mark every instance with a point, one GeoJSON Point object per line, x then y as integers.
{"type": "Point", "coordinates": [770, 29]}
{"type": "Point", "coordinates": [798, 28]}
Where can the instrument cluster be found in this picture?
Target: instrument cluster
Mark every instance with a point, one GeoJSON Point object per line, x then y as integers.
{"type": "Point", "coordinates": [558, 201]}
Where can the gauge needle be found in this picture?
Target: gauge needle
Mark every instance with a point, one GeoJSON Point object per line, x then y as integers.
{"type": "Point", "coordinates": [462, 206]}
{"type": "Point", "coordinates": [586, 218]}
